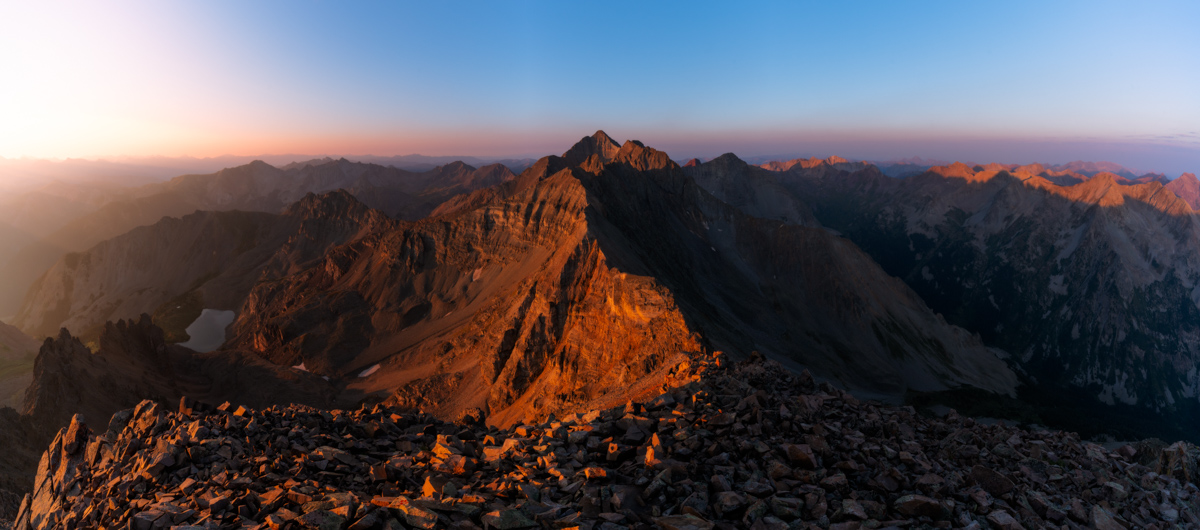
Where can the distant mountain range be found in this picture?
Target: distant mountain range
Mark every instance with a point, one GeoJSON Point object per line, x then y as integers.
{"type": "Point", "coordinates": [254, 187]}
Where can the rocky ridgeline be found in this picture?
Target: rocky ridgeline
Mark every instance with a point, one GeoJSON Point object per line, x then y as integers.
{"type": "Point", "coordinates": [750, 445]}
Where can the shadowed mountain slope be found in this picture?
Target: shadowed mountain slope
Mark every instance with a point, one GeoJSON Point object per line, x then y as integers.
{"type": "Point", "coordinates": [254, 187]}
{"type": "Point", "coordinates": [203, 260]}
{"type": "Point", "coordinates": [17, 351]}
{"type": "Point", "coordinates": [1092, 286]}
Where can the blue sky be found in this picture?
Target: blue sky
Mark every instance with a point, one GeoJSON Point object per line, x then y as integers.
{"type": "Point", "coordinates": [1012, 81]}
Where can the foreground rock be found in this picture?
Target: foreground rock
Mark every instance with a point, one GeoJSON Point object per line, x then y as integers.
{"type": "Point", "coordinates": [748, 446]}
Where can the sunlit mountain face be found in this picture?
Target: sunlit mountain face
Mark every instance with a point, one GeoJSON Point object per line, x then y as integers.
{"type": "Point", "coordinates": [368, 267]}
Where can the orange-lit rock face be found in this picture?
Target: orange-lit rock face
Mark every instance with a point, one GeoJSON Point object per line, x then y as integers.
{"type": "Point", "coordinates": [515, 297]}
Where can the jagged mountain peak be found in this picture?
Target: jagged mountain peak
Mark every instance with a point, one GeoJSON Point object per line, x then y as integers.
{"type": "Point", "coordinates": [692, 163]}
{"type": "Point", "coordinates": [600, 144]}
{"type": "Point", "coordinates": [601, 136]}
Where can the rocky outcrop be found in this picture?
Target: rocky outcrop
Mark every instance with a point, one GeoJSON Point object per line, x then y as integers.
{"type": "Point", "coordinates": [132, 363]}
{"type": "Point", "coordinates": [59, 479]}
{"type": "Point", "coordinates": [751, 446]}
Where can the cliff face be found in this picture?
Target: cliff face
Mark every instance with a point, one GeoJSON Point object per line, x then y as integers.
{"type": "Point", "coordinates": [509, 302]}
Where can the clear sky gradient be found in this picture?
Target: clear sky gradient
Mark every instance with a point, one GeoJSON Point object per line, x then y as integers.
{"type": "Point", "coordinates": [998, 81]}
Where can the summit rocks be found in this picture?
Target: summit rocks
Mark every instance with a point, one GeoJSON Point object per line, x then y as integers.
{"type": "Point", "coordinates": [871, 466]}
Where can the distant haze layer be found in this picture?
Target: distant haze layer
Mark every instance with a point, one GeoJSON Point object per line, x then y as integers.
{"type": "Point", "coordinates": [1140, 156]}
{"type": "Point", "coordinates": [959, 80]}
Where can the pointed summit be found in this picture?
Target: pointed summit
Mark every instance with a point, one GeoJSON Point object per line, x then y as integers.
{"type": "Point", "coordinates": [728, 160]}
{"type": "Point", "coordinates": [597, 144]}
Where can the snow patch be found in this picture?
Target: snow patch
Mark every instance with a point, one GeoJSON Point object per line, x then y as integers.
{"type": "Point", "coordinates": [928, 276]}
{"type": "Point", "coordinates": [1117, 392]}
{"type": "Point", "coordinates": [1056, 284]}
{"type": "Point", "coordinates": [368, 371]}
{"type": "Point", "coordinates": [475, 275]}
{"type": "Point", "coordinates": [300, 367]}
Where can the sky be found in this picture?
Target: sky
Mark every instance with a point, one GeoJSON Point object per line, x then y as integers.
{"type": "Point", "coordinates": [1011, 82]}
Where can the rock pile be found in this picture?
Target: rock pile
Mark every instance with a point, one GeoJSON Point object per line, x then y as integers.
{"type": "Point", "coordinates": [747, 446]}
